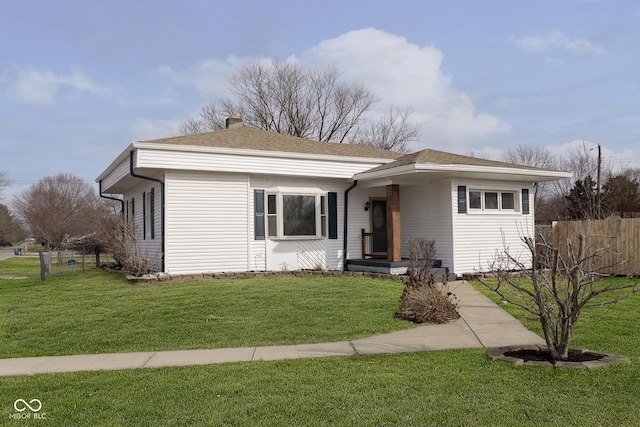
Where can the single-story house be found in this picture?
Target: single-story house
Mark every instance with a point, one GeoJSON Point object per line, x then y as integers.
{"type": "Point", "coordinates": [243, 199]}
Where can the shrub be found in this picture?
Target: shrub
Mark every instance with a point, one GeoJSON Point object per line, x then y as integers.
{"type": "Point", "coordinates": [119, 237]}
{"type": "Point", "coordinates": [422, 299]}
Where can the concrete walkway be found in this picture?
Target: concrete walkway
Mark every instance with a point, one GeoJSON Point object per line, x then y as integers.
{"type": "Point", "coordinates": [6, 253]}
{"type": "Point", "coordinates": [483, 324]}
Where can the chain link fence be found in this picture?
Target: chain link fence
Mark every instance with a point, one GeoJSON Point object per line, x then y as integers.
{"type": "Point", "coordinates": [69, 261]}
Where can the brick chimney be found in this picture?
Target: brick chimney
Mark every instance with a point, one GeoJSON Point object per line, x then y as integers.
{"type": "Point", "coordinates": [233, 122]}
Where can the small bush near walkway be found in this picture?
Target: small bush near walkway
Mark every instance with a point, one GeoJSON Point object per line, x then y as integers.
{"type": "Point", "coordinates": [423, 300]}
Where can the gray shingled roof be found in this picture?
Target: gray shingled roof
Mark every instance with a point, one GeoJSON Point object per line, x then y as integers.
{"type": "Point", "coordinates": [242, 137]}
{"type": "Point", "coordinates": [429, 156]}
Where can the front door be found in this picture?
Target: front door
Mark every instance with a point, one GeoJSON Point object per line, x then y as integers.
{"type": "Point", "coordinates": [379, 225]}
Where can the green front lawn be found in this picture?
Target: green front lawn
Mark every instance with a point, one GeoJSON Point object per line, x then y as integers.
{"type": "Point", "coordinates": [613, 328]}
{"type": "Point", "coordinates": [446, 388]}
{"type": "Point", "coordinates": [20, 265]}
{"type": "Point", "coordinates": [449, 388]}
{"type": "Point", "coordinates": [100, 312]}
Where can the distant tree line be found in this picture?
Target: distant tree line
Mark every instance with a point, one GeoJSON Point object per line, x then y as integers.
{"type": "Point", "coordinates": [11, 229]}
{"type": "Point", "coordinates": [580, 198]}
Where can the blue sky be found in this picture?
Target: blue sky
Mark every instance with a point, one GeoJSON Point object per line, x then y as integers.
{"type": "Point", "coordinates": [80, 80]}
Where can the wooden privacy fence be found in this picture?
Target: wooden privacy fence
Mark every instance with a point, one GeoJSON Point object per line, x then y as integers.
{"type": "Point", "coordinates": [619, 239]}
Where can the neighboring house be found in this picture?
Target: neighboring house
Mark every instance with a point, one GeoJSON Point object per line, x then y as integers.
{"type": "Point", "coordinates": [243, 199]}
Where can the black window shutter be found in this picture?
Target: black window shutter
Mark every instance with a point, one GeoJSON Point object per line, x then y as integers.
{"type": "Point", "coordinates": [525, 201]}
{"type": "Point", "coordinates": [152, 211]}
{"type": "Point", "coordinates": [462, 199]}
{"type": "Point", "coordinates": [332, 210]}
{"type": "Point", "coordinates": [144, 216]}
{"type": "Point", "coordinates": [258, 214]}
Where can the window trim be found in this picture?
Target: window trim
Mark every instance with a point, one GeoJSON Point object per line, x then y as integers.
{"type": "Point", "coordinates": [321, 214]}
{"type": "Point", "coordinates": [483, 201]}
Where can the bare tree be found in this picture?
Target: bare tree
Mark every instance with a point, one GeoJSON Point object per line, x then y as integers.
{"type": "Point", "coordinates": [4, 181]}
{"type": "Point", "coordinates": [212, 117]}
{"type": "Point", "coordinates": [536, 156]}
{"type": "Point", "coordinates": [284, 97]}
{"type": "Point", "coordinates": [59, 206]}
{"type": "Point", "coordinates": [621, 193]}
{"type": "Point", "coordinates": [582, 162]}
{"type": "Point", "coordinates": [392, 131]}
{"type": "Point", "coordinates": [561, 283]}
{"type": "Point", "coordinates": [529, 155]}
{"type": "Point", "coordinates": [11, 231]}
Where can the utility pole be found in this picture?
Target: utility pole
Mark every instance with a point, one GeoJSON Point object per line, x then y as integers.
{"type": "Point", "coordinates": [598, 206]}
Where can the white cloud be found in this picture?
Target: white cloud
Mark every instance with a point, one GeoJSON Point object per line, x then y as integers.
{"type": "Point", "coordinates": [406, 74]}
{"type": "Point", "coordinates": [611, 161]}
{"type": "Point", "coordinates": [401, 73]}
{"type": "Point", "coordinates": [145, 129]}
{"type": "Point", "coordinates": [209, 77]}
{"type": "Point", "coordinates": [557, 40]}
{"type": "Point", "coordinates": [33, 86]}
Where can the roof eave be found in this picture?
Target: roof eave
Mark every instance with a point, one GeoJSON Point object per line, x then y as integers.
{"type": "Point", "coordinates": [121, 157]}
{"type": "Point", "coordinates": [260, 153]}
{"type": "Point", "coordinates": [534, 174]}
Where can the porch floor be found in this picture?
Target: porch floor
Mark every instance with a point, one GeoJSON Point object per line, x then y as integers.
{"type": "Point", "coordinates": [376, 265]}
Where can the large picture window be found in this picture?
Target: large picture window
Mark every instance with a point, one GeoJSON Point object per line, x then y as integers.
{"type": "Point", "coordinates": [491, 201]}
{"type": "Point", "coordinates": [299, 215]}
{"type": "Point", "coordinates": [292, 215]}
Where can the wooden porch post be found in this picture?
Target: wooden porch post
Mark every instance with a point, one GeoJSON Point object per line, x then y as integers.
{"type": "Point", "coordinates": [393, 223]}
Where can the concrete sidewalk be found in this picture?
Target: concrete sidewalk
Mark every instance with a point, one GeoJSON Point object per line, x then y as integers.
{"type": "Point", "coordinates": [482, 324]}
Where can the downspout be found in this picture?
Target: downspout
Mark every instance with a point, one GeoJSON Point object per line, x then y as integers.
{"type": "Point", "coordinates": [161, 182]}
{"type": "Point", "coordinates": [109, 197]}
{"type": "Point", "coordinates": [344, 234]}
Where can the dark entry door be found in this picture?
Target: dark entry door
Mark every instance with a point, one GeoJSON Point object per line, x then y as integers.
{"type": "Point", "coordinates": [379, 225]}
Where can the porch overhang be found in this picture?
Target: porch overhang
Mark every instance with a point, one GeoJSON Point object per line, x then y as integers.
{"type": "Point", "coordinates": [415, 173]}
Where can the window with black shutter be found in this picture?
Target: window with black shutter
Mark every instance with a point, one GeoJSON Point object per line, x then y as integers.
{"type": "Point", "coordinates": [333, 214]}
{"type": "Point", "coordinates": [525, 201]}
{"type": "Point", "coordinates": [462, 199]}
{"type": "Point", "coordinates": [258, 215]}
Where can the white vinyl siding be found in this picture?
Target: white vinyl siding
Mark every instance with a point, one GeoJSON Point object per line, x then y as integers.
{"type": "Point", "coordinates": [296, 253]}
{"type": "Point", "coordinates": [479, 239]}
{"type": "Point", "coordinates": [425, 212]}
{"type": "Point", "coordinates": [210, 226]}
{"type": "Point", "coordinates": [151, 249]}
{"type": "Point", "coordinates": [230, 162]}
{"type": "Point", "coordinates": [208, 221]}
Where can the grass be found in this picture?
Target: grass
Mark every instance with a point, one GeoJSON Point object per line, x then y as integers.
{"type": "Point", "coordinates": [100, 312]}
{"type": "Point", "coordinates": [20, 265]}
{"type": "Point", "coordinates": [451, 388]}
{"type": "Point", "coordinates": [447, 388]}
{"type": "Point", "coordinates": [609, 329]}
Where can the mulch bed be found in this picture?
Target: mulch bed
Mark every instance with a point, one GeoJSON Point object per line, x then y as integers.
{"type": "Point", "coordinates": [539, 356]}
